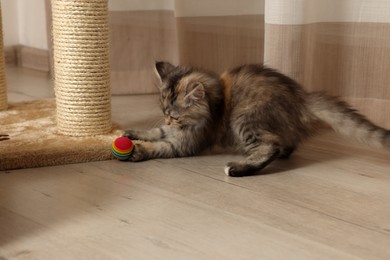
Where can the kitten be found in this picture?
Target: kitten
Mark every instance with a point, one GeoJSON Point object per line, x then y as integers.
{"type": "Point", "coordinates": [257, 110]}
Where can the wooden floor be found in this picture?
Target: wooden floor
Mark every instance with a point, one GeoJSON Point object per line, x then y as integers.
{"type": "Point", "coordinates": [331, 200]}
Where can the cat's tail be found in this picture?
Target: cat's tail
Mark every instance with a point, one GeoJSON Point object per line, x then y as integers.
{"type": "Point", "coordinates": [347, 121]}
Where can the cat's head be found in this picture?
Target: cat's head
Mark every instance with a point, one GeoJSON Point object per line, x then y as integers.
{"type": "Point", "coordinates": [187, 94]}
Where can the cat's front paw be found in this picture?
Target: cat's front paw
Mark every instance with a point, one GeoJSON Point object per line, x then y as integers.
{"type": "Point", "coordinates": [132, 134]}
{"type": "Point", "coordinates": [138, 154]}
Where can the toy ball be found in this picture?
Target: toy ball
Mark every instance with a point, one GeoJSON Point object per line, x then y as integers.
{"type": "Point", "coordinates": [122, 148]}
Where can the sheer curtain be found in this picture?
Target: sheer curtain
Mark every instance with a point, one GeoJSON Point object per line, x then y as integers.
{"type": "Point", "coordinates": [338, 46]}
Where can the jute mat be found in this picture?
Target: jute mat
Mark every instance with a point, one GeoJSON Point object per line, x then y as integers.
{"type": "Point", "coordinates": [29, 138]}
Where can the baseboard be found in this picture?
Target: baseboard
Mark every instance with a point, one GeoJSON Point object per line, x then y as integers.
{"type": "Point", "coordinates": [27, 57]}
{"type": "Point", "coordinates": [10, 55]}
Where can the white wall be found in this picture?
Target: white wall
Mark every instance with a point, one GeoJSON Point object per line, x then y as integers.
{"type": "Point", "coordinates": [24, 22]}
{"type": "Point", "coordinates": [10, 22]}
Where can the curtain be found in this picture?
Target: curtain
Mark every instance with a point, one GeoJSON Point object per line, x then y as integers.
{"type": "Point", "coordinates": [338, 46]}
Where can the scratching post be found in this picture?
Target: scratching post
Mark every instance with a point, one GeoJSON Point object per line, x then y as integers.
{"type": "Point", "coordinates": [3, 84]}
{"type": "Point", "coordinates": [81, 67]}
{"type": "Point", "coordinates": [83, 96]}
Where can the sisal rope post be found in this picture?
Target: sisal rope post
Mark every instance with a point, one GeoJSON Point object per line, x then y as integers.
{"type": "Point", "coordinates": [3, 83]}
{"type": "Point", "coordinates": [81, 67]}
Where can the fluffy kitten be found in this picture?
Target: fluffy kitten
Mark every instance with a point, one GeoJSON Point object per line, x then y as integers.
{"type": "Point", "coordinates": [257, 110]}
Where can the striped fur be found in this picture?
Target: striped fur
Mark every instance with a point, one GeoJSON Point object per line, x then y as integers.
{"type": "Point", "coordinates": [257, 110]}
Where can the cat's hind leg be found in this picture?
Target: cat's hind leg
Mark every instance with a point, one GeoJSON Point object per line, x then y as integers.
{"type": "Point", "coordinates": [286, 152]}
{"type": "Point", "coordinates": [258, 158]}
{"type": "Point", "coordinates": [261, 148]}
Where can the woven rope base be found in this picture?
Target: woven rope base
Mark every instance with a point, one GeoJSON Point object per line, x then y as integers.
{"type": "Point", "coordinates": [35, 142]}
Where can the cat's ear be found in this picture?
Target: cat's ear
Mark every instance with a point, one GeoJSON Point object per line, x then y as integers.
{"type": "Point", "coordinates": [162, 69]}
{"type": "Point", "coordinates": [194, 92]}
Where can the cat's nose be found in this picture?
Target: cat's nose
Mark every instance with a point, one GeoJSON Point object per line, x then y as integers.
{"type": "Point", "coordinates": [167, 121]}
